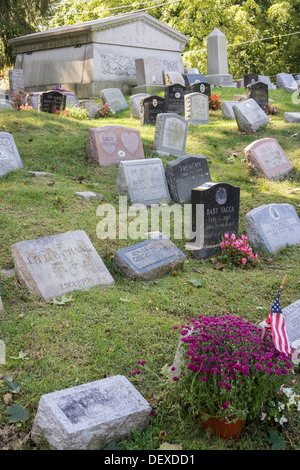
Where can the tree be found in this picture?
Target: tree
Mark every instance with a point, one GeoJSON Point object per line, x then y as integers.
{"type": "Point", "coordinates": [17, 18]}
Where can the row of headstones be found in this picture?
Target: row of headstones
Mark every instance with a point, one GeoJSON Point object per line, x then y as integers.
{"type": "Point", "coordinates": [287, 81]}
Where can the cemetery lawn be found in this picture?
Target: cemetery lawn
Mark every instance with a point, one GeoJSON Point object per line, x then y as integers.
{"type": "Point", "coordinates": [99, 333]}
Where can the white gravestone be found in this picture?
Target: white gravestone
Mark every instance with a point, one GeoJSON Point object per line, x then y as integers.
{"type": "Point", "coordinates": [9, 156]}
{"type": "Point", "coordinates": [58, 264]}
{"type": "Point", "coordinates": [143, 181]}
{"type": "Point", "coordinates": [89, 416]}
{"type": "Point", "coordinates": [196, 108]}
{"type": "Point", "coordinates": [170, 134]}
{"type": "Point", "coordinates": [217, 62]}
{"type": "Point", "coordinates": [273, 226]}
{"type": "Point", "coordinates": [249, 116]}
{"type": "Point", "coordinates": [115, 98]}
{"type": "Point", "coordinates": [293, 118]}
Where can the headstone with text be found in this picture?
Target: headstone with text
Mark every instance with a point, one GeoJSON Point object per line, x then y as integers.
{"type": "Point", "coordinates": [115, 98]}
{"type": "Point", "coordinates": [258, 91]}
{"type": "Point", "coordinates": [201, 87]}
{"type": "Point", "coordinates": [135, 104]}
{"type": "Point", "coordinates": [273, 226]}
{"type": "Point", "coordinates": [109, 145]}
{"type": "Point", "coordinates": [184, 174]}
{"type": "Point", "coordinates": [58, 264]}
{"type": "Point", "coordinates": [170, 134]}
{"type": "Point", "coordinates": [196, 107]}
{"type": "Point", "coordinates": [149, 75]}
{"type": "Point", "coordinates": [174, 98]}
{"type": "Point", "coordinates": [172, 78]}
{"type": "Point", "coordinates": [89, 416]}
{"type": "Point", "coordinates": [52, 101]}
{"type": "Point", "coordinates": [215, 211]}
{"type": "Point", "coordinates": [149, 259]}
{"type": "Point", "coordinates": [265, 158]}
{"type": "Point", "coordinates": [250, 78]}
{"type": "Point", "coordinates": [150, 107]}
{"type": "Point", "coordinates": [9, 156]}
{"type": "Point", "coordinates": [217, 61]}
{"type": "Point", "coordinates": [249, 116]}
{"type": "Point", "coordinates": [143, 181]}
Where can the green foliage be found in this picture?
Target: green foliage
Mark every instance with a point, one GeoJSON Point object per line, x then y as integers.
{"type": "Point", "coordinates": [17, 414]}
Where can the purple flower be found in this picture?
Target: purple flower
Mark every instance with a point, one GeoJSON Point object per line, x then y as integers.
{"type": "Point", "coordinates": [225, 405]}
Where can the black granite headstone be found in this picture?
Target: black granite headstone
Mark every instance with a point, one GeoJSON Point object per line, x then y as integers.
{"type": "Point", "coordinates": [249, 78]}
{"type": "Point", "coordinates": [174, 98]}
{"type": "Point", "coordinates": [151, 106]}
{"type": "Point", "coordinates": [259, 92]}
{"type": "Point", "coordinates": [201, 87]}
{"type": "Point", "coordinates": [220, 208]}
{"type": "Point", "coordinates": [51, 101]}
{"type": "Point", "coordinates": [194, 78]}
{"type": "Point", "coordinates": [184, 174]}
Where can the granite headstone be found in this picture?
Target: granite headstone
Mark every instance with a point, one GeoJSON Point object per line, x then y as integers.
{"type": "Point", "coordinates": [151, 106]}
{"type": "Point", "coordinates": [273, 226]}
{"type": "Point", "coordinates": [265, 158]}
{"type": "Point", "coordinates": [201, 87]}
{"type": "Point", "coordinates": [174, 98]}
{"type": "Point", "coordinates": [249, 116]}
{"type": "Point", "coordinates": [293, 118]}
{"type": "Point", "coordinates": [115, 98]}
{"type": "Point", "coordinates": [9, 156]}
{"type": "Point", "coordinates": [143, 181]}
{"type": "Point", "coordinates": [196, 108]}
{"type": "Point", "coordinates": [249, 78]}
{"type": "Point", "coordinates": [58, 264]}
{"type": "Point", "coordinates": [170, 134]}
{"type": "Point", "coordinates": [287, 82]}
{"type": "Point", "coordinates": [258, 91]}
{"type": "Point", "coordinates": [109, 145]}
{"type": "Point", "coordinates": [52, 101]}
{"type": "Point", "coordinates": [135, 104]}
{"type": "Point", "coordinates": [149, 259]}
{"type": "Point", "coordinates": [227, 109]}
{"type": "Point", "coordinates": [184, 174]}
{"type": "Point", "coordinates": [172, 78]}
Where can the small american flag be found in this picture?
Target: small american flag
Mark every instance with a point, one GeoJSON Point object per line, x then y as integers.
{"type": "Point", "coordinates": [276, 321]}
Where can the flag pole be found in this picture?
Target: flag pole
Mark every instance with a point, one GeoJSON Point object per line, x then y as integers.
{"type": "Point", "coordinates": [280, 289]}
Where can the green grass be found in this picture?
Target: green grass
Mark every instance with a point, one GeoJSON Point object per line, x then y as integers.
{"type": "Point", "coordinates": [104, 332]}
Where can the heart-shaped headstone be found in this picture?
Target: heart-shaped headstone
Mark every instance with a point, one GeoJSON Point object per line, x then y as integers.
{"type": "Point", "coordinates": [108, 140]}
{"type": "Point", "coordinates": [130, 141]}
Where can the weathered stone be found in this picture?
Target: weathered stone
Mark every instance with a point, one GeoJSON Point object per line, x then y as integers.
{"type": "Point", "coordinates": [135, 104]}
{"type": "Point", "coordinates": [293, 118]}
{"type": "Point", "coordinates": [9, 156]}
{"type": "Point", "coordinates": [92, 108]}
{"type": "Point", "coordinates": [115, 98]}
{"type": "Point", "coordinates": [273, 226]}
{"type": "Point", "coordinates": [172, 78]}
{"type": "Point", "coordinates": [287, 82]}
{"type": "Point", "coordinates": [149, 259]}
{"type": "Point", "coordinates": [16, 80]}
{"type": "Point", "coordinates": [227, 109]}
{"type": "Point", "coordinates": [259, 92]}
{"type": "Point", "coordinates": [143, 181]}
{"type": "Point", "coordinates": [89, 416]}
{"type": "Point", "coordinates": [170, 134]}
{"type": "Point", "coordinates": [87, 195]}
{"type": "Point", "coordinates": [196, 108]}
{"type": "Point", "coordinates": [266, 158]}
{"type": "Point", "coordinates": [58, 264]}
{"type": "Point", "coordinates": [150, 107]}
{"type": "Point", "coordinates": [250, 117]}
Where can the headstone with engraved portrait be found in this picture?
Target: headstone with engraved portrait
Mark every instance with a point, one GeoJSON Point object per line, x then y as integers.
{"type": "Point", "coordinates": [150, 107]}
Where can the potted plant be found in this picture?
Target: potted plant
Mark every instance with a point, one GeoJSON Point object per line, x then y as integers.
{"type": "Point", "coordinates": [228, 371]}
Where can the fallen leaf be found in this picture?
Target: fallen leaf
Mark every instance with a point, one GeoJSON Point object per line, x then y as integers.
{"type": "Point", "coordinates": [17, 414]}
{"type": "Point", "coordinates": [198, 270]}
{"type": "Point", "coordinates": [218, 266]}
{"type": "Point", "coordinates": [63, 300]}
{"type": "Point", "coordinates": [195, 282]}
{"type": "Point", "coordinates": [21, 356]}
{"type": "Point", "coordinates": [167, 446]}
{"type": "Point", "coordinates": [7, 399]}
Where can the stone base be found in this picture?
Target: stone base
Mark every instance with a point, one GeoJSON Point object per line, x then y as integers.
{"type": "Point", "coordinates": [221, 80]}
{"type": "Point", "coordinates": [204, 251]}
{"type": "Point", "coordinates": [152, 89]}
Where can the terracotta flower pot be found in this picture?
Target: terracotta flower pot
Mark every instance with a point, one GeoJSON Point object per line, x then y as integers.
{"type": "Point", "coordinates": [222, 429]}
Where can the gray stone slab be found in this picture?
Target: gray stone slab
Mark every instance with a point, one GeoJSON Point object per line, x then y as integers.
{"type": "Point", "coordinates": [250, 117]}
{"type": "Point", "coordinates": [87, 195]}
{"type": "Point", "coordinates": [9, 156]}
{"type": "Point", "coordinates": [92, 108]}
{"type": "Point", "coordinates": [5, 104]}
{"type": "Point", "coordinates": [265, 79]}
{"type": "Point", "coordinates": [149, 259]}
{"type": "Point", "coordinates": [196, 108]}
{"type": "Point", "coordinates": [149, 70]}
{"type": "Point", "coordinates": [265, 158]}
{"type": "Point", "coordinates": [58, 264]}
{"type": "Point", "coordinates": [227, 109]}
{"type": "Point", "coordinates": [115, 98]}
{"type": "Point", "coordinates": [89, 416]}
{"type": "Point", "coordinates": [172, 78]}
{"type": "Point", "coordinates": [292, 117]}
{"type": "Point", "coordinates": [291, 315]}
{"type": "Point", "coordinates": [170, 134]}
{"type": "Point", "coordinates": [16, 80]}
{"type": "Point", "coordinates": [217, 62]}
{"type": "Point", "coordinates": [135, 104]}
{"type": "Point", "coordinates": [286, 81]}
{"type": "Point", "coordinates": [143, 181]}
{"type": "Point", "coordinates": [221, 80]}
{"type": "Point", "coordinates": [184, 174]}
{"type": "Point", "coordinates": [109, 145]}
{"type": "Point", "coordinates": [273, 226]}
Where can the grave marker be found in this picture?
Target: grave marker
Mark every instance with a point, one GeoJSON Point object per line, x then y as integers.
{"type": "Point", "coordinates": [196, 107]}
{"type": "Point", "coordinates": [220, 214]}
{"type": "Point", "coordinates": [172, 78]}
{"type": "Point", "coordinates": [149, 259]}
{"type": "Point", "coordinates": [291, 315]}
{"type": "Point", "coordinates": [9, 156]}
{"type": "Point", "coordinates": [151, 106]}
{"type": "Point", "coordinates": [227, 109]}
{"type": "Point", "coordinates": [170, 134]}
{"type": "Point", "coordinates": [135, 104]}
{"type": "Point", "coordinates": [184, 174]}
{"type": "Point", "coordinates": [109, 145]}
{"type": "Point", "coordinates": [265, 158]}
{"type": "Point", "coordinates": [51, 101]}
{"type": "Point", "coordinates": [217, 62]}
{"type": "Point", "coordinates": [89, 416]}
{"type": "Point", "coordinates": [174, 98]}
{"type": "Point", "coordinates": [293, 118]}
{"type": "Point", "coordinates": [258, 91]}
{"type": "Point", "coordinates": [201, 87]}
{"type": "Point", "coordinates": [273, 226]}
{"type": "Point", "coordinates": [287, 82]}
{"type": "Point", "coordinates": [143, 181]}
{"type": "Point", "coordinates": [266, 79]}
{"type": "Point", "coordinates": [16, 80]}
{"type": "Point", "coordinates": [249, 116]}
{"type": "Point", "coordinates": [115, 98]}
{"type": "Point", "coordinates": [58, 264]}
{"type": "Point", "coordinates": [249, 78]}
